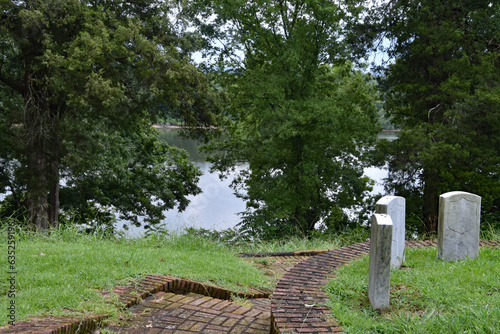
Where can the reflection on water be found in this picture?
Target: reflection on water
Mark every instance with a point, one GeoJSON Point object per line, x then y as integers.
{"type": "Point", "coordinates": [388, 134]}
{"type": "Point", "coordinates": [172, 137]}
{"type": "Point", "coordinates": [217, 207]}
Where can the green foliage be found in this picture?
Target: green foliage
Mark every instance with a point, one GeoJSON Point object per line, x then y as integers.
{"type": "Point", "coordinates": [301, 123]}
{"type": "Point", "coordinates": [427, 296]}
{"type": "Point", "coordinates": [230, 237]}
{"type": "Point", "coordinates": [383, 120]}
{"type": "Point", "coordinates": [138, 175]}
{"type": "Point", "coordinates": [443, 88]}
{"type": "Point", "coordinates": [80, 83]}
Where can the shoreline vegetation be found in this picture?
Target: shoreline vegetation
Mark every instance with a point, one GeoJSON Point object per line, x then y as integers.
{"type": "Point", "coordinates": [176, 126]}
{"type": "Point", "coordinates": [173, 126]}
{"type": "Point", "coordinates": [168, 126]}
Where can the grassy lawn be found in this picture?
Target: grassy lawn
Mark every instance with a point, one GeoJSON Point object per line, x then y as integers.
{"type": "Point", "coordinates": [427, 295]}
{"type": "Point", "coordinates": [62, 274]}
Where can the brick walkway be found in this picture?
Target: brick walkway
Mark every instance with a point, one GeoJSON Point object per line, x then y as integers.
{"type": "Point", "coordinates": [298, 304]}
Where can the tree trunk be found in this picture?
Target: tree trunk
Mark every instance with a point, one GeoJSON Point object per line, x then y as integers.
{"type": "Point", "coordinates": [430, 202]}
{"type": "Point", "coordinates": [42, 144]}
{"type": "Point", "coordinates": [37, 190]}
{"type": "Point", "coordinates": [54, 194]}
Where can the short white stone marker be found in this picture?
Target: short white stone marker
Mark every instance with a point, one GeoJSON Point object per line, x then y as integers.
{"type": "Point", "coordinates": [458, 226]}
{"type": "Point", "coordinates": [395, 206]}
{"type": "Point", "coordinates": [379, 279]}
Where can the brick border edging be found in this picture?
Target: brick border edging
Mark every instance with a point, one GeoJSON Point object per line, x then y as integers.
{"type": "Point", "coordinates": [128, 295]}
{"type": "Point", "coordinates": [277, 254]}
{"type": "Point", "coordinates": [298, 303]}
{"type": "Point", "coordinates": [151, 284]}
{"type": "Point", "coordinates": [55, 325]}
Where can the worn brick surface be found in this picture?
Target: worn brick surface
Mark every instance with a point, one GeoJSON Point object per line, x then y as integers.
{"type": "Point", "coordinates": [187, 314]}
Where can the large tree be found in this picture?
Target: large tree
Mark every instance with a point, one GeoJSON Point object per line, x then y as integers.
{"type": "Point", "coordinates": [80, 82]}
{"type": "Point", "coordinates": [299, 115]}
{"type": "Point", "coordinates": [443, 89]}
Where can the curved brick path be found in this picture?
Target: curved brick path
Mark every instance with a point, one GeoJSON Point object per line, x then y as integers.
{"type": "Point", "coordinates": [298, 304]}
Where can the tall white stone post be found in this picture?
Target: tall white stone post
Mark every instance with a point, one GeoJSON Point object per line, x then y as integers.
{"type": "Point", "coordinates": [395, 206]}
{"type": "Point", "coordinates": [458, 226]}
{"type": "Point", "coordinates": [379, 280]}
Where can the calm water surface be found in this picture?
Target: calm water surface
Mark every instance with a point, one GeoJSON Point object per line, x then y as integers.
{"type": "Point", "coordinates": [217, 207]}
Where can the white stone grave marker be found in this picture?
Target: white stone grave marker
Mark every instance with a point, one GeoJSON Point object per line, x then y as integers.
{"type": "Point", "coordinates": [395, 206]}
{"type": "Point", "coordinates": [458, 225]}
{"type": "Point", "coordinates": [379, 280]}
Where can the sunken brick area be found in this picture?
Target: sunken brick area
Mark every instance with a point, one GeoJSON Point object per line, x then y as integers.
{"type": "Point", "coordinates": [128, 296]}
{"type": "Point", "coordinates": [169, 313]}
{"type": "Point", "coordinates": [298, 303]}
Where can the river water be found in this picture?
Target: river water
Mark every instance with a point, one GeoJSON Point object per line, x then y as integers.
{"type": "Point", "coordinates": [217, 207]}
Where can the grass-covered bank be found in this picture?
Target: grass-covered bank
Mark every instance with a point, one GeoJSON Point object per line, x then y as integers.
{"type": "Point", "coordinates": [427, 295]}
{"type": "Point", "coordinates": [62, 273]}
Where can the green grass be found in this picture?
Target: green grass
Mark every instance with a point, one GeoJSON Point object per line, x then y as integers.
{"type": "Point", "coordinates": [427, 296]}
{"type": "Point", "coordinates": [62, 273]}
{"type": "Point", "coordinates": [242, 244]}
{"type": "Point", "coordinates": [490, 231]}
{"type": "Point", "coordinates": [289, 245]}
